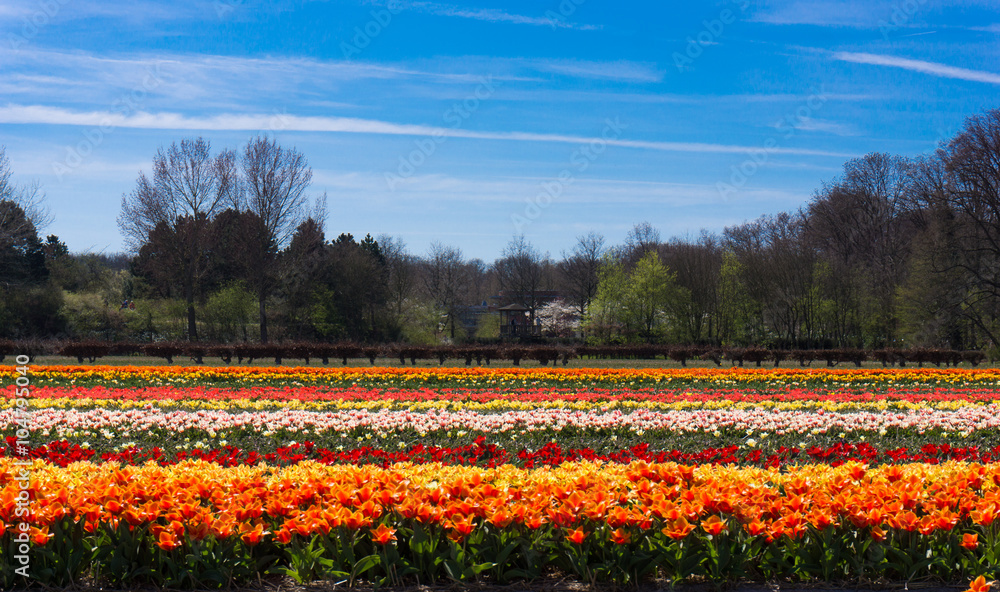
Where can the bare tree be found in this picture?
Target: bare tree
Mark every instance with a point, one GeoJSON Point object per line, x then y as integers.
{"type": "Point", "coordinates": [520, 273]}
{"type": "Point", "coordinates": [188, 185]}
{"type": "Point", "coordinates": [191, 182]}
{"type": "Point", "coordinates": [776, 272]}
{"type": "Point", "coordinates": [400, 277]}
{"type": "Point", "coordinates": [862, 224]}
{"type": "Point", "coordinates": [275, 180]}
{"type": "Point", "coordinates": [697, 265]}
{"type": "Point", "coordinates": [642, 239]}
{"type": "Point", "coordinates": [28, 198]}
{"type": "Point", "coordinates": [972, 194]}
{"type": "Point", "coordinates": [860, 218]}
{"type": "Point", "coordinates": [446, 279]}
{"type": "Point", "coordinates": [579, 269]}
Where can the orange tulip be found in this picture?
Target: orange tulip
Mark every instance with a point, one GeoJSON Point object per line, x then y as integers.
{"type": "Point", "coordinates": [970, 541]}
{"type": "Point", "coordinates": [500, 518]}
{"type": "Point", "coordinates": [168, 541]}
{"type": "Point", "coordinates": [464, 526]}
{"type": "Point", "coordinates": [534, 521]}
{"type": "Point", "coordinates": [255, 536]}
{"type": "Point", "coordinates": [223, 527]}
{"type": "Point", "coordinates": [40, 536]}
{"type": "Point", "coordinates": [755, 527]}
{"type": "Point", "coordinates": [201, 529]}
{"type": "Point", "coordinates": [979, 585]}
{"type": "Point", "coordinates": [620, 537]}
{"type": "Point", "coordinates": [713, 526]}
{"type": "Point", "coordinates": [678, 529]}
{"type": "Point", "coordinates": [383, 534]}
{"type": "Point", "coordinates": [983, 517]}
{"type": "Point", "coordinates": [576, 536]}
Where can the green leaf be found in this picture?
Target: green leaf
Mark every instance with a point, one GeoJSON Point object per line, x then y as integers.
{"type": "Point", "coordinates": [479, 568]}
{"type": "Point", "coordinates": [365, 563]}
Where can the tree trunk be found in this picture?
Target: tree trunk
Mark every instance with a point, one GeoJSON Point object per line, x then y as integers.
{"type": "Point", "coordinates": [263, 317]}
{"type": "Point", "coordinates": [192, 325]}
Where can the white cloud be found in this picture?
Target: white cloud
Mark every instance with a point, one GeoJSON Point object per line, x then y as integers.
{"type": "Point", "coordinates": [39, 114]}
{"type": "Point", "coordinates": [13, 10]}
{"type": "Point", "coordinates": [493, 15]}
{"type": "Point", "coordinates": [932, 68]}
{"type": "Point", "coordinates": [850, 13]}
{"type": "Point", "coordinates": [815, 124]}
{"type": "Point", "coordinates": [618, 70]}
{"type": "Point", "coordinates": [513, 190]}
{"type": "Point", "coordinates": [231, 83]}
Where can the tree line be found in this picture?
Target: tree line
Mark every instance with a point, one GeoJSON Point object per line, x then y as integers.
{"type": "Point", "coordinates": [228, 246]}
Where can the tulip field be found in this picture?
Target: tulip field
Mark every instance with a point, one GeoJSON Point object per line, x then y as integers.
{"type": "Point", "coordinates": [178, 477]}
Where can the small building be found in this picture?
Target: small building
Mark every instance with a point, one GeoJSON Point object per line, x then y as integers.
{"type": "Point", "coordinates": [515, 322]}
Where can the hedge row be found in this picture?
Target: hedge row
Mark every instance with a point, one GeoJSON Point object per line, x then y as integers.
{"type": "Point", "coordinates": [484, 354]}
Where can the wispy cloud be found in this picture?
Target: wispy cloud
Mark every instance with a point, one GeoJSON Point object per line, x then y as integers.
{"type": "Point", "coordinates": [994, 28]}
{"type": "Point", "coordinates": [224, 82]}
{"type": "Point", "coordinates": [850, 13]}
{"type": "Point", "coordinates": [932, 68]}
{"type": "Point", "coordinates": [13, 10]}
{"type": "Point", "coordinates": [814, 124]}
{"type": "Point", "coordinates": [137, 11]}
{"type": "Point", "coordinates": [494, 15]}
{"type": "Point", "coordinates": [595, 191]}
{"type": "Point", "coordinates": [38, 114]}
{"type": "Point", "coordinates": [617, 70]}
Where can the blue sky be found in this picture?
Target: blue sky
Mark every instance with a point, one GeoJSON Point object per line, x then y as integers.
{"type": "Point", "coordinates": [467, 123]}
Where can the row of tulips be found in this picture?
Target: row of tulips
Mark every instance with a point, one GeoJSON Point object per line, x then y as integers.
{"type": "Point", "coordinates": [505, 378]}
{"type": "Point", "coordinates": [327, 398]}
{"type": "Point", "coordinates": [481, 453]}
{"type": "Point", "coordinates": [197, 524]}
{"type": "Point", "coordinates": [78, 422]}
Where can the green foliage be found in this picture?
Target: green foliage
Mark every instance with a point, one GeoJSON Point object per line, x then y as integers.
{"type": "Point", "coordinates": [635, 305]}
{"type": "Point", "coordinates": [323, 316]}
{"type": "Point", "coordinates": [425, 324]}
{"type": "Point", "coordinates": [737, 312]}
{"type": "Point", "coordinates": [29, 311]}
{"type": "Point", "coordinates": [488, 327]}
{"type": "Point", "coordinates": [91, 315]}
{"type": "Point", "coordinates": [228, 312]}
{"type": "Point", "coordinates": [428, 553]}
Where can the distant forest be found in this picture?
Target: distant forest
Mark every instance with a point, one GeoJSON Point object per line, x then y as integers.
{"type": "Point", "coordinates": [226, 247]}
